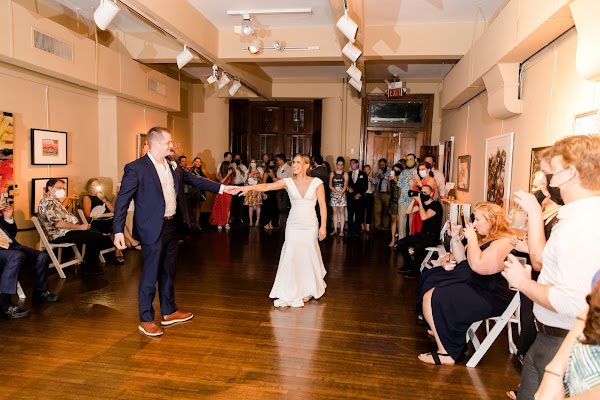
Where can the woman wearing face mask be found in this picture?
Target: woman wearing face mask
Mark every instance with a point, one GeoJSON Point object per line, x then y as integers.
{"type": "Point", "coordinates": [424, 176]}
{"type": "Point", "coordinates": [393, 206]}
{"type": "Point", "coordinates": [254, 199]}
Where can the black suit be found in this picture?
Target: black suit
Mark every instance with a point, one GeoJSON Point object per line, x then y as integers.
{"type": "Point", "coordinates": [157, 234]}
{"type": "Point", "coordinates": [356, 206]}
{"type": "Point", "coordinates": [15, 256]}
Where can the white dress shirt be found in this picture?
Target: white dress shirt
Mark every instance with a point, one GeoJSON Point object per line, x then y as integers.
{"type": "Point", "coordinates": [440, 181]}
{"type": "Point", "coordinates": [241, 174]}
{"type": "Point", "coordinates": [354, 176]}
{"type": "Point", "coordinates": [167, 184]}
{"type": "Point", "coordinates": [285, 171]}
{"type": "Point", "coordinates": [570, 260]}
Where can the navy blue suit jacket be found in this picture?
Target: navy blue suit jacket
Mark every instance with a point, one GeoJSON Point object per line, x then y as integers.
{"type": "Point", "coordinates": [141, 183]}
{"type": "Point", "coordinates": [9, 229]}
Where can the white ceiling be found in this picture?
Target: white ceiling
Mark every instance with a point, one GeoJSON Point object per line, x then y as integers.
{"type": "Point", "coordinates": [397, 12]}
{"type": "Point", "coordinates": [216, 12]}
{"type": "Point", "coordinates": [305, 70]}
{"type": "Point", "coordinates": [380, 70]}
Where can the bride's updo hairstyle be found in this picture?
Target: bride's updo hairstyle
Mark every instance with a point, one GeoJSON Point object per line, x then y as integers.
{"type": "Point", "coordinates": [305, 160]}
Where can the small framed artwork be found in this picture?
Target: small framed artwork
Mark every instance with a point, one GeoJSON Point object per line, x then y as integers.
{"type": "Point", "coordinates": [498, 169]}
{"type": "Point", "coordinates": [535, 171]}
{"type": "Point", "coordinates": [38, 188]}
{"type": "Point", "coordinates": [587, 123]}
{"type": "Point", "coordinates": [464, 173]}
{"type": "Point", "coordinates": [48, 147]}
{"type": "Point", "coordinates": [142, 145]}
{"type": "Point", "coordinates": [448, 165]}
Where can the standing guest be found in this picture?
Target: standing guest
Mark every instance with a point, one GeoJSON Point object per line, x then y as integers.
{"type": "Point", "coordinates": [381, 218]}
{"type": "Point", "coordinates": [13, 256]}
{"type": "Point", "coordinates": [183, 161]}
{"type": "Point", "coordinates": [221, 212]}
{"type": "Point", "coordinates": [264, 164]}
{"type": "Point", "coordinates": [199, 196]}
{"type": "Point", "coordinates": [423, 177]}
{"type": "Point", "coordinates": [320, 171]}
{"type": "Point", "coordinates": [358, 183]}
{"type": "Point", "coordinates": [369, 200]}
{"type": "Point", "coordinates": [440, 179]}
{"type": "Point", "coordinates": [227, 156]}
{"type": "Point", "coordinates": [431, 213]}
{"type": "Point", "coordinates": [104, 222]}
{"type": "Point", "coordinates": [63, 227]}
{"type": "Point", "coordinates": [338, 184]}
{"type": "Point", "coordinates": [155, 183]}
{"type": "Point", "coordinates": [254, 199]}
{"type": "Point", "coordinates": [269, 206]}
{"type": "Point", "coordinates": [283, 200]}
{"type": "Point", "coordinates": [571, 256]}
{"type": "Point", "coordinates": [189, 192]}
{"type": "Point", "coordinates": [241, 175]}
{"type": "Point", "coordinates": [404, 185]}
{"type": "Point", "coordinates": [393, 206]}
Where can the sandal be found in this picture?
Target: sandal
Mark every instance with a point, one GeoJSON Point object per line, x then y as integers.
{"type": "Point", "coordinates": [138, 247]}
{"type": "Point", "coordinates": [436, 358]}
{"type": "Point", "coordinates": [512, 394]}
{"type": "Point", "coordinates": [120, 260]}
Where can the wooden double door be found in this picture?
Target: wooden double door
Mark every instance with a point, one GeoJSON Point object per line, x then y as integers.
{"type": "Point", "coordinates": [391, 145]}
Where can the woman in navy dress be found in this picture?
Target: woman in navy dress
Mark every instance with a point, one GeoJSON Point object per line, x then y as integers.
{"type": "Point", "coordinates": [475, 290]}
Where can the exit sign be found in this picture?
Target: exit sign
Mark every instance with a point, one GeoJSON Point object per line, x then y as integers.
{"type": "Point", "coordinates": [397, 92]}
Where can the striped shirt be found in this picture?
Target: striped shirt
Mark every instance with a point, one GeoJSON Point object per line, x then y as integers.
{"type": "Point", "coordinates": [583, 371]}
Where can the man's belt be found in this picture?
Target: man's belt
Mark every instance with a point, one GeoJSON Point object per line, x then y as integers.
{"type": "Point", "coordinates": [550, 330]}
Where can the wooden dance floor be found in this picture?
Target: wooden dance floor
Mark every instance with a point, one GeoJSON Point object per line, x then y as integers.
{"type": "Point", "coordinates": [359, 341]}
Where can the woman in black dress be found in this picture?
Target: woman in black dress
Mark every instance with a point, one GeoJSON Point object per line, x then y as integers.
{"type": "Point", "coordinates": [198, 196]}
{"type": "Point", "coordinates": [269, 204]}
{"type": "Point", "coordinates": [475, 290]}
{"type": "Point", "coordinates": [103, 223]}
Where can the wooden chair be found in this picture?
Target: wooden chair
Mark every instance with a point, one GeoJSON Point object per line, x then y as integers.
{"type": "Point", "coordinates": [107, 250]}
{"type": "Point", "coordinates": [49, 247]}
{"type": "Point", "coordinates": [509, 316]}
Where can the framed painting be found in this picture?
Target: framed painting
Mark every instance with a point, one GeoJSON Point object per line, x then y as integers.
{"type": "Point", "coordinates": [48, 147]}
{"type": "Point", "coordinates": [464, 173]}
{"type": "Point", "coordinates": [38, 188]}
{"type": "Point", "coordinates": [7, 138]}
{"type": "Point", "coordinates": [498, 169]}
{"type": "Point", "coordinates": [535, 171]}
{"type": "Point", "coordinates": [448, 164]}
{"type": "Point", "coordinates": [587, 123]}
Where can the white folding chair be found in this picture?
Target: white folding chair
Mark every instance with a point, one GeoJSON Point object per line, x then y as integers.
{"type": "Point", "coordinates": [49, 247]}
{"type": "Point", "coordinates": [20, 292]}
{"type": "Point", "coordinates": [509, 316]}
{"type": "Point", "coordinates": [102, 252]}
{"type": "Point", "coordinates": [437, 249]}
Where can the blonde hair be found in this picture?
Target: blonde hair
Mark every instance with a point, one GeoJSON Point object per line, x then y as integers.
{"type": "Point", "coordinates": [305, 160]}
{"type": "Point", "coordinates": [496, 216]}
{"type": "Point", "coordinates": [583, 152]}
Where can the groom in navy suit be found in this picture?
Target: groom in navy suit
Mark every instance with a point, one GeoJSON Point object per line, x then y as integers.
{"type": "Point", "coordinates": [155, 183]}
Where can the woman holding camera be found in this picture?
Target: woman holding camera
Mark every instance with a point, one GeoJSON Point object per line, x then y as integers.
{"type": "Point", "coordinates": [221, 212]}
{"type": "Point", "coordinates": [393, 206]}
{"type": "Point", "coordinates": [424, 176]}
{"type": "Point", "coordinates": [104, 222]}
{"type": "Point", "coordinates": [338, 184]}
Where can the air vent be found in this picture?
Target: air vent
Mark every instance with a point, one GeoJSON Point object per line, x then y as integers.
{"type": "Point", "coordinates": [157, 86]}
{"type": "Point", "coordinates": [52, 45]}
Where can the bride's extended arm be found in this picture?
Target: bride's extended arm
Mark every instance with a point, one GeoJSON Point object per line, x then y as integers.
{"type": "Point", "coordinates": [323, 211]}
{"type": "Point", "coordinates": [264, 187]}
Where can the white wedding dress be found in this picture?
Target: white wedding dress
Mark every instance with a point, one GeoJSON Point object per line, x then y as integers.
{"type": "Point", "coordinates": [301, 271]}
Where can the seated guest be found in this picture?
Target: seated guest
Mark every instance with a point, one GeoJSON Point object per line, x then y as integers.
{"type": "Point", "coordinates": [63, 227]}
{"type": "Point", "coordinates": [424, 176]}
{"type": "Point", "coordinates": [431, 214]}
{"type": "Point", "coordinates": [103, 223]}
{"type": "Point", "coordinates": [12, 256]}
{"type": "Point", "coordinates": [476, 291]}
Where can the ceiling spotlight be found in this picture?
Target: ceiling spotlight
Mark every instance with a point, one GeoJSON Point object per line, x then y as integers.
{"type": "Point", "coordinates": [105, 13]}
{"type": "Point", "coordinates": [347, 27]}
{"type": "Point", "coordinates": [247, 28]}
{"type": "Point", "coordinates": [224, 80]}
{"type": "Point", "coordinates": [184, 57]}
{"type": "Point", "coordinates": [354, 72]}
{"type": "Point", "coordinates": [356, 84]}
{"type": "Point", "coordinates": [278, 45]}
{"type": "Point", "coordinates": [352, 52]}
{"type": "Point", "coordinates": [254, 46]}
{"type": "Point", "coordinates": [213, 78]}
{"type": "Point", "coordinates": [235, 86]}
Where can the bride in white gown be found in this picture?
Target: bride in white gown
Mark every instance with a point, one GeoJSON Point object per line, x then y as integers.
{"type": "Point", "coordinates": [301, 271]}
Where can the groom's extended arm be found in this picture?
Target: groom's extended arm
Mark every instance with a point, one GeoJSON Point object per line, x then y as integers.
{"type": "Point", "coordinates": [126, 193]}
{"type": "Point", "coordinates": [201, 183]}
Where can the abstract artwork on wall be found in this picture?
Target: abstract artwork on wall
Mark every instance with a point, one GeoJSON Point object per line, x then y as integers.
{"type": "Point", "coordinates": [464, 173]}
{"type": "Point", "coordinates": [7, 137]}
{"type": "Point", "coordinates": [498, 168]}
{"type": "Point", "coordinates": [38, 187]}
{"type": "Point", "coordinates": [48, 147]}
{"type": "Point", "coordinates": [535, 171]}
{"type": "Point", "coordinates": [448, 162]}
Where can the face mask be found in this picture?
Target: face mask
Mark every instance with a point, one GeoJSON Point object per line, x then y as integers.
{"type": "Point", "coordinates": [353, 166]}
{"type": "Point", "coordinates": [555, 195]}
{"type": "Point", "coordinates": [410, 163]}
{"type": "Point", "coordinates": [60, 193]}
{"type": "Point", "coordinates": [423, 173]}
{"type": "Point", "coordinates": [425, 197]}
{"type": "Point", "coordinates": [253, 164]}
{"type": "Point", "coordinates": [540, 196]}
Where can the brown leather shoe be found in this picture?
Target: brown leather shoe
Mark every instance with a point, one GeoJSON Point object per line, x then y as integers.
{"type": "Point", "coordinates": [150, 329]}
{"type": "Point", "coordinates": [176, 317]}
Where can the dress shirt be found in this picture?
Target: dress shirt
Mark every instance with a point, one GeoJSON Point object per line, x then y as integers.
{"type": "Point", "coordinates": [370, 185]}
{"type": "Point", "coordinates": [8, 239]}
{"type": "Point", "coordinates": [241, 174]}
{"type": "Point", "coordinates": [167, 184]}
{"type": "Point", "coordinates": [354, 176]}
{"type": "Point", "coordinates": [440, 181]}
{"type": "Point", "coordinates": [404, 185]}
{"type": "Point", "coordinates": [384, 181]}
{"type": "Point", "coordinates": [570, 259]}
{"type": "Point", "coordinates": [50, 211]}
{"type": "Point", "coordinates": [285, 171]}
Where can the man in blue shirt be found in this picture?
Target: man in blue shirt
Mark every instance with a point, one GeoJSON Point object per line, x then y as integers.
{"type": "Point", "coordinates": [381, 217]}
